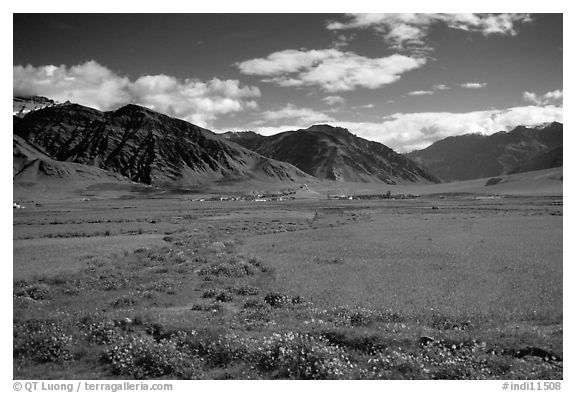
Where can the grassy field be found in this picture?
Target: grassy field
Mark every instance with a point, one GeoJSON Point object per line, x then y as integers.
{"type": "Point", "coordinates": [439, 287]}
{"type": "Point", "coordinates": [484, 265]}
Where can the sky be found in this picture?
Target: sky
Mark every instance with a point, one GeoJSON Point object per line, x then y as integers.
{"type": "Point", "coordinates": [405, 80]}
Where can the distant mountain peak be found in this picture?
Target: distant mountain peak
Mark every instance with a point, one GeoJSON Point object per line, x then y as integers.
{"type": "Point", "coordinates": [131, 109]}
{"type": "Point", "coordinates": [334, 153]}
{"type": "Point", "coordinates": [327, 128]}
{"type": "Point", "coordinates": [22, 105]}
{"type": "Point", "coordinates": [34, 98]}
{"type": "Point", "coordinates": [470, 156]}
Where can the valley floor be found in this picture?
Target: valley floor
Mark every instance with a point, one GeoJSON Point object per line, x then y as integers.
{"type": "Point", "coordinates": [454, 286]}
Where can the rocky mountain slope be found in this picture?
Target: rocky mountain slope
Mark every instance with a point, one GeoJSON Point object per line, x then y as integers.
{"type": "Point", "coordinates": [30, 165]}
{"type": "Point", "coordinates": [24, 105]}
{"type": "Point", "coordinates": [474, 156]}
{"type": "Point", "coordinates": [334, 153]}
{"type": "Point", "coordinates": [145, 146]}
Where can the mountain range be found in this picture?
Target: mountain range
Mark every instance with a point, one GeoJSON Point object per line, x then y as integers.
{"type": "Point", "coordinates": [474, 156]}
{"type": "Point", "coordinates": [144, 146]}
{"type": "Point", "coordinates": [133, 144]}
{"type": "Point", "coordinates": [334, 153]}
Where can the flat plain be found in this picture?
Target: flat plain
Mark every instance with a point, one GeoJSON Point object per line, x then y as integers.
{"type": "Point", "coordinates": [455, 285]}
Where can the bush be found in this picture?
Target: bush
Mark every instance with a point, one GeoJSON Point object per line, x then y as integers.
{"type": "Point", "coordinates": [42, 341]}
{"type": "Point", "coordinates": [141, 357]}
{"type": "Point", "coordinates": [206, 307]}
{"type": "Point", "coordinates": [165, 285]}
{"type": "Point", "coordinates": [214, 349]}
{"type": "Point", "coordinates": [209, 293]}
{"type": "Point", "coordinates": [232, 268]}
{"type": "Point", "coordinates": [255, 316]}
{"type": "Point", "coordinates": [254, 303]}
{"type": "Point", "coordinates": [435, 361]}
{"type": "Point", "coordinates": [98, 331]}
{"type": "Point", "coordinates": [244, 290]}
{"type": "Point", "coordinates": [300, 356]}
{"type": "Point", "coordinates": [278, 300]}
{"type": "Point", "coordinates": [36, 291]}
{"type": "Point", "coordinates": [224, 296]}
{"type": "Point", "coordinates": [123, 301]}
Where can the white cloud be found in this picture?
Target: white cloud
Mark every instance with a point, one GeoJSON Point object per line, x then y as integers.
{"type": "Point", "coordinates": [88, 83]}
{"type": "Point", "coordinates": [193, 100]}
{"type": "Point", "coordinates": [334, 100]}
{"type": "Point", "coordinates": [473, 85]}
{"type": "Point", "coordinates": [286, 61]}
{"type": "Point", "coordinates": [409, 131]}
{"type": "Point", "coordinates": [331, 69]}
{"type": "Point", "coordinates": [434, 89]}
{"type": "Point", "coordinates": [405, 30]}
{"type": "Point", "coordinates": [365, 106]}
{"type": "Point", "coordinates": [94, 85]}
{"type": "Point", "coordinates": [555, 97]}
{"type": "Point", "coordinates": [302, 117]}
{"type": "Point", "coordinates": [420, 93]}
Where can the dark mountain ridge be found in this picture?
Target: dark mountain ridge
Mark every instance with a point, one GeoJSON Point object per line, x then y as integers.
{"type": "Point", "coordinates": [146, 146]}
{"type": "Point", "coordinates": [474, 156]}
{"type": "Point", "coordinates": [334, 153]}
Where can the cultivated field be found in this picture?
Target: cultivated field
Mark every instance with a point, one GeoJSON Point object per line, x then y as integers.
{"type": "Point", "coordinates": [444, 286]}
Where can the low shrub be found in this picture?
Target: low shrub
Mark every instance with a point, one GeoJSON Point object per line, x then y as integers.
{"type": "Point", "coordinates": [300, 356]}
{"type": "Point", "coordinates": [42, 341]}
{"type": "Point", "coordinates": [214, 349]}
{"type": "Point", "coordinates": [278, 300]}
{"type": "Point", "coordinates": [209, 293]}
{"type": "Point", "coordinates": [244, 290]}
{"type": "Point", "coordinates": [254, 303]}
{"type": "Point", "coordinates": [224, 296]}
{"type": "Point", "coordinates": [165, 285]}
{"type": "Point", "coordinates": [123, 301]}
{"type": "Point", "coordinates": [141, 357]}
{"type": "Point", "coordinates": [232, 268]}
{"type": "Point", "coordinates": [436, 361]}
{"type": "Point", "coordinates": [206, 307]}
{"type": "Point", "coordinates": [36, 291]}
{"type": "Point", "coordinates": [98, 331]}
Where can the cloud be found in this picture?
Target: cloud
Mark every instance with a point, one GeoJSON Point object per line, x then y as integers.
{"type": "Point", "coordinates": [420, 93]}
{"type": "Point", "coordinates": [330, 69]}
{"type": "Point", "coordinates": [89, 83]}
{"type": "Point", "coordinates": [555, 97]}
{"type": "Point", "coordinates": [196, 101]}
{"type": "Point", "coordinates": [365, 106]}
{"type": "Point", "coordinates": [96, 86]}
{"type": "Point", "coordinates": [434, 89]}
{"type": "Point", "coordinates": [334, 100]}
{"type": "Point", "coordinates": [473, 85]}
{"type": "Point", "coordinates": [302, 117]}
{"type": "Point", "coordinates": [409, 131]}
{"type": "Point", "coordinates": [403, 31]}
